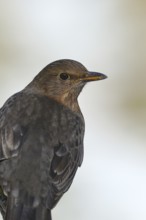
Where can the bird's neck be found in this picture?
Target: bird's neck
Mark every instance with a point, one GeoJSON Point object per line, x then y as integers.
{"type": "Point", "coordinates": [69, 101]}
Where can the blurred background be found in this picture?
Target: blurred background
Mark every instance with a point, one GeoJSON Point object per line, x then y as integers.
{"type": "Point", "coordinates": [106, 36]}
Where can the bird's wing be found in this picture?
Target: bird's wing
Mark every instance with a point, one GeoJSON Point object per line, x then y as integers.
{"type": "Point", "coordinates": [68, 154]}
{"type": "Point", "coordinates": [10, 140]}
{"type": "Point", "coordinates": [23, 138]}
{"type": "Point", "coordinates": [38, 131]}
{"type": "Point", "coordinates": [11, 132]}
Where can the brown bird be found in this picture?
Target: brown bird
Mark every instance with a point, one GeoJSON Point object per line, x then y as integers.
{"type": "Point", "coordinates": [41, 141]}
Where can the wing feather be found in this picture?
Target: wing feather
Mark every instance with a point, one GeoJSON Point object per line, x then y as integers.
{"type": "Point", "coordinates": [40, 133]}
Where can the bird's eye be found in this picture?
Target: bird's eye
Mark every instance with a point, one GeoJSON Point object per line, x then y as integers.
{"type": "Point", "coordinates": [64, 76]}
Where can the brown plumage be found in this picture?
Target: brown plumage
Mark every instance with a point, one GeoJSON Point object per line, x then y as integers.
{"type": "Point", "coordinates": [41, 141]}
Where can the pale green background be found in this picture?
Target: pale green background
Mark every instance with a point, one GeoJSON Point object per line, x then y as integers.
{"type": "Point", "coordinates": [107, 36]}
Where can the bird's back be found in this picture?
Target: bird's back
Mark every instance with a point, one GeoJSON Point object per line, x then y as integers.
{"type": "Point", "coordinates": [41, 147]}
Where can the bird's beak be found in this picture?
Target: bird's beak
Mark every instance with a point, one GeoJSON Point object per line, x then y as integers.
{"type": "Point", "coordinates": [93, 76]}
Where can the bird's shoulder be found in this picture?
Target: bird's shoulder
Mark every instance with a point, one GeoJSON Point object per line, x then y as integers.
{"type": "Point", "coordinates": [32, 113]}
{"type": "Point", "coordinates": [23, 105]}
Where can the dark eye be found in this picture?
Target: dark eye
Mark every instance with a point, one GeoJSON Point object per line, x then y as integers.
{"type": "Point", "coordinates": [64, 76]}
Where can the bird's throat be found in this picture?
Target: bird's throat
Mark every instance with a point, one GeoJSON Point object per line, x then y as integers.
{"type": "Point", "coordinates": [70, 101]}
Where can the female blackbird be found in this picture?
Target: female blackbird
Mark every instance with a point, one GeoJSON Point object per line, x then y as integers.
{"type": "Point", "coordinates": [41, 141]}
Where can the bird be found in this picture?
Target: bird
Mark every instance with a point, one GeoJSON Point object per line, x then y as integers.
{"type": "Point", "coordinates": [41, 140]}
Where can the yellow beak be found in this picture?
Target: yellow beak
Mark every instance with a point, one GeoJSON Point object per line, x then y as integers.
{"type": "Point", "coordinates": [93, 76]}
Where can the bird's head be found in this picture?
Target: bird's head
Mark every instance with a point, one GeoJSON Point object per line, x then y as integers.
{"type": "Point", "coordinates": [63, 81]}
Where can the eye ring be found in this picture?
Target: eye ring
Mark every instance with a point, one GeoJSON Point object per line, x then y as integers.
{"type": "Point", "coordinates": [64, 76]}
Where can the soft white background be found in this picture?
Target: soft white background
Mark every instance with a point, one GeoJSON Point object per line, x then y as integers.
{"type": "Point", "coordinates": [106, 36]}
